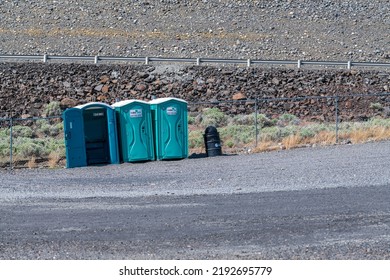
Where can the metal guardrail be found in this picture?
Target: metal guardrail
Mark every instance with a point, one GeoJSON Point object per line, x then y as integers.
{"type": "Point", "coordinates": [196, 61]}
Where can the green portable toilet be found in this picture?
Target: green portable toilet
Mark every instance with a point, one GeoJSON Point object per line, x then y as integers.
{"type": "Point", "coordinates": [135, 133]}
{"type": "Point", "coordinates": [90, 135]}
{"type": "Point", "coordinates": [170, 128]}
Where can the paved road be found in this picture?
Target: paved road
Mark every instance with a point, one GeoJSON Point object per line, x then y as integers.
{"type": "Point", "coordinates": [324, 203]}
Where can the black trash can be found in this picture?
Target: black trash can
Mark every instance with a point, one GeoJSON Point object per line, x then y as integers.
{"type": "Point", "coordinates": [212, 142]}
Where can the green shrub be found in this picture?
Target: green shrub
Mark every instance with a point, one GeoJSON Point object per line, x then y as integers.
{"type": "Point", "coordinates": [287, 119]}
{"type": "Point", "coordinates": [4, 133]}
{"type": "Point", "coordinates": [195, 139]}
{"type": "Point", "coordinates": [313, 129]}
{"type": "Point", "coordinates": [242, 120]}
{"type": "Point", "coordinates": [287, 131]}
{"type": "Point", "coordinates": [345, 126]}
{"type": "Point", "coordinates": [54, 145]}
{"type": "Point", "coordinates": [239, 133]}
{"type": "Point", "coordinates": [376, 106]}
{"type": "Point", "coordinates": [229, 144]}
{"type": "Point", "coordinates": [307, 132]}
{"type": "Point", "coordinates": [27, 147]}
{"type": "Point", "coordinates": [60, 127]}
{"type": "Point", "coordinates": [191, 120]}
{"type": "Point", "coordinates": [22, 131]}
{"type": "Point", "coordinates": [38, 147]}
{"type": "Point", "coordinates": [4, 147]}
{"type": "Point", "coordinates": [269, 133]}
{"type": "Point", "coordinates": [54, 130]}
{"type": "Point", "coordinates": [380, 122]}
{"type": "Point", "coordinates": [262, 120]}
{"type": "Point", "coordinates": [52, 109]}
{"type": "Point", "coordinates": [276, 133]}
{"type": "Point", "coordinates": [40, 122]}
{"type": "Point", "coordinates": [44, 127]}
{"type": "Point", "coordinates": [214, 116]}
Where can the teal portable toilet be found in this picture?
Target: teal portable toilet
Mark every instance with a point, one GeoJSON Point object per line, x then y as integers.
{"type": "Point", "coordinates": [135, 132]}
{"type": "Point", "coordinates": [170, 128]}
{"type": "Point", "coordinates": [90, 135]}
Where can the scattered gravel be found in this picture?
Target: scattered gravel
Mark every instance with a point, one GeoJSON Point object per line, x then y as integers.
{"type": "Point", "coordinates": [292, 170]}
{"type": "Point", "coordinates": [323, 203]}
{"type": "Point", "coordinates": [305, 29]}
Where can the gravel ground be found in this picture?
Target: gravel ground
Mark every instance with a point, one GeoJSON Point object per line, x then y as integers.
{"type": "Point", "coordinates": [304, 29]}
{"type": "Point", "coordinates": [345, 166]}
{"type": "Point", "coordinates": [315, 203]}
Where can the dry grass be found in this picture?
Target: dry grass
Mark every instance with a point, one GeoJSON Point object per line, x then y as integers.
{"type": "Point", "coordinates": [4, 161]}
{"type": "Point", "coordinates": [267, 146]}
{"type": "Point", "coordinates": [369, 134]}
{"type": "Point", "coordinates": [323, 138]}
{"type": "Point", "coordinates": [326, 138]}
{"type": "Point", "coordinates": [110, 32]}
{"type": "Point", "coordinates": [54, 158]}
{"type": "Point", "coordinates": [32, 163]}
{"type": "Point", "coordinates": [353, 133]}
{"type": "Point", "coordinates": [200, 150]}
{"type": "Point", "coordinates": [292, 141]}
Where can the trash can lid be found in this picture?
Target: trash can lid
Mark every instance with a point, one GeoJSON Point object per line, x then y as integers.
{"type": "Point", "coordinates": [210, 129]}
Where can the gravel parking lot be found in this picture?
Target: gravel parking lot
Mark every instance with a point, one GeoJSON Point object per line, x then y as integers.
{"type": "Point", "coordinates": [317, 203]}
{"type": "Point", "coordinates": [301, 169]}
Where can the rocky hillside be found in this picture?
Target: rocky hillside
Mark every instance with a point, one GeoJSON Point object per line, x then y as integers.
{"type": "Point", "coordinates": [262, 29]}
{"type": "Point", "coordinates": [25, 88]}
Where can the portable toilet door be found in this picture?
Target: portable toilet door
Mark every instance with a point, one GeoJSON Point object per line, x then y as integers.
{"type": "Point", "coordinates": [170, 128]}
{"type": "Point", "coordinates": [134, 130]}
{"type": "Point", "coordinates": [90, 135]}
{"type": "Point", "coordinates": [74, 138]}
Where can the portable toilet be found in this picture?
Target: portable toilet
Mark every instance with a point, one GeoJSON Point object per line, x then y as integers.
{"type": "Point", "coordinates": [135, 132]}
{"type": "Point", "coordinates": [170, 128]}
{"type": "Point", "coordinates": [90, 135]}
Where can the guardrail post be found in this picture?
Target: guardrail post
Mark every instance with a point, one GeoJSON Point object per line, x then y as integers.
{"type": "Point", "coordinates": [44, 58]}
{"type": "Point", "coordinates": [198, 61]}
{"type": "Point", "coordinates": [299, 64]}
{"type": "Point", "coordinates": [147, 60]}
{"type": "Point", "coordinates": [96, 59]}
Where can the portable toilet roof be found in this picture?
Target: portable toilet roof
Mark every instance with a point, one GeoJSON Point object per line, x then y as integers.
{"type": "Point", "coordinates": [165, 99]}
{"type": "Point", "coordinates": [127, 102]}
{"type": "Point", "coordinates": [93, 104]}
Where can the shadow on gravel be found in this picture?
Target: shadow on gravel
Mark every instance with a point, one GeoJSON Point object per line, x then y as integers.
{"type": "Point", "coordinates": [204, 155]}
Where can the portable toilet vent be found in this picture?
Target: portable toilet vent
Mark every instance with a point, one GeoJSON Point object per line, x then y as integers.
{"type": "Point", "coordinates": [90, 135]}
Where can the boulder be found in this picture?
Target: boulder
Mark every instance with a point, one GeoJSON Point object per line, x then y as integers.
{"type": "Point", "coordinates": [68, 103]}
{"type": "Point", "coordinates": [239, 96]}
{"type": "Point", "coordinates": [105, 88]}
